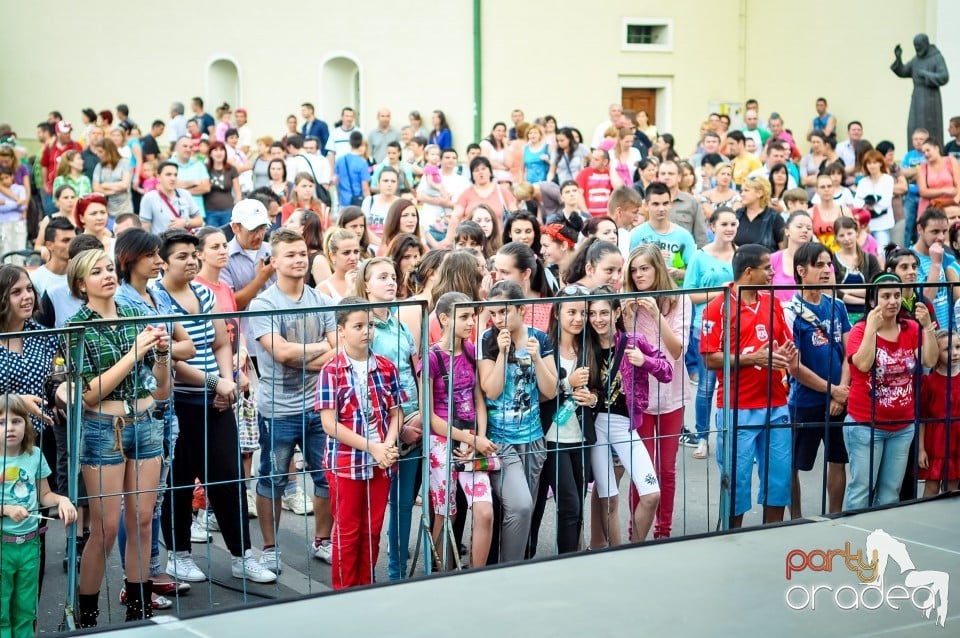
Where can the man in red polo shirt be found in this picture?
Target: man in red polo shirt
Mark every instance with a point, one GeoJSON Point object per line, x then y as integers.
{"type": "Point", "coordinates": [762, 350]}
{"type": "Point", "coordinates": [50, 160]}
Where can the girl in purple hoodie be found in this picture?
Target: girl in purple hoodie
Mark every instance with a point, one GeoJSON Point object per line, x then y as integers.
{"type": "Point", "coordinates": [622, 363]}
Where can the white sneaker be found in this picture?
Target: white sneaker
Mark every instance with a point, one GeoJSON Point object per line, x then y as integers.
{"type": "Point", "coordinates": [208, 521]}
{"type": "Point", "coordinates": [251, 504]}
{"type": "Point", "coordinates": [198, 533]}
{"type": "Point", "coordinates": [297, 502]}
{"type": "Point", "coordinates": [702, 449]}
{"type": "Point", "coordinates": [270, 559]}
{"type": "Point", "coordinates": [247, 566]}
{"type": "Point", "coordinates": [324, 551]}
{"type": "Point", "coordinates": [181, 566]}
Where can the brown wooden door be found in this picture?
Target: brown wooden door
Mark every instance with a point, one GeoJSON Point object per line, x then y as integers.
{"type": "Point", "coordinates": [641, 100]}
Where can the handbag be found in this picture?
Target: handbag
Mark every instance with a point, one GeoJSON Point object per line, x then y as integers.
{"type": "Point", "coordinates": [248, 431]}
{"type": "Point", "coordinates": [321, 191]}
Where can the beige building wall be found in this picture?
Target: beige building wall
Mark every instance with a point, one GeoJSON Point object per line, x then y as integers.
{"type": "Point", "coordinates": [840, 50]}
{"type": "Point", "coordinates": [561, 58]}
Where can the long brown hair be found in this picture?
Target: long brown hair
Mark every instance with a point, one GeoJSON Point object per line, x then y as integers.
{"type": "Point", "coordinates": [9, 276]}
{"type": "Point", "coordinates": [111, 154]}
{"type": "Point", "coordinates": [663, 280]}
{"type": "Point", "coordinates": [459, 272]}
{"type": "Point", "coordinates": [398, 247]}
{"type": "Point", "coordinates": [391, 225]}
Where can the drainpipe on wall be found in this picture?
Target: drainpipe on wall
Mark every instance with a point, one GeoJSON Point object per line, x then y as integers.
{"type": "Point", "coordinates": [477, 71]}
{"type": "Point", "coordinates": [742, 50]}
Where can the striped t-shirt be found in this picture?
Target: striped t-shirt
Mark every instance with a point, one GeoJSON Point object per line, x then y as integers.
{"type": "Point", "coordinates": [200, 331]}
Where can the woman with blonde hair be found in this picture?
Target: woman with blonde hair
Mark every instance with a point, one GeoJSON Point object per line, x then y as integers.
{"type": "Point", "coordinates": [343, 251]}
{"type": "Point", "coordinates": [723, 194]}
{"type": "Point", "coordinates": [536, 156]}
{"type": "Point", "coordinates": [122, 439]}
{"type": "Point", "coordinates": [391, 338]}
{"type": "Point", "coordinates": [759, 224]}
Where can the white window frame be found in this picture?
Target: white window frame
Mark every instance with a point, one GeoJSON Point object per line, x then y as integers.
{"type": "Point", "coordinates": [666, 46]}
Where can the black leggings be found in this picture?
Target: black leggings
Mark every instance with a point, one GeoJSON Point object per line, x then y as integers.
{"type": "Point", "coordinates": [565, 470]}
{"type": "Point", "coordinates": [206, 449]}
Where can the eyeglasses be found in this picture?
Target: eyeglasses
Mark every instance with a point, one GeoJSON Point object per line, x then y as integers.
{"type": "Point", "coordinates": [574, 289]}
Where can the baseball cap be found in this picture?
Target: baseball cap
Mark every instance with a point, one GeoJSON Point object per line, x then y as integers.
{"type": "Point", "coordinates": [64, 127]}
{"type": "Point", "coordinates": [250, 213]}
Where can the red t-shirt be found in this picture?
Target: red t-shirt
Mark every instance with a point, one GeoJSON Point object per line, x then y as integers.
{"type": "Point", "coordinates": [596, 189]}
{"type": "Point", "coordinates": [50, 159]}
{"type": "Point", "coordinates": [895, 371]}
{"type": "Point", "coordinates": [750, 384]}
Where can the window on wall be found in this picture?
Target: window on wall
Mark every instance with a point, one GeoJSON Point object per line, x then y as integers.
{"type": "Point", "coordinates": [647, 34]}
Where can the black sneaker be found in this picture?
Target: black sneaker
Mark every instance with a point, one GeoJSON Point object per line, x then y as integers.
{"type": "Point", "coordinates": [688, 438]}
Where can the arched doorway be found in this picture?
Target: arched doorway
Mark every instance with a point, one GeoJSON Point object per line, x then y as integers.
{"type": "Point", "coordinates": [339, 86]}
{"type": "Point", "coordinates": [223, 83]}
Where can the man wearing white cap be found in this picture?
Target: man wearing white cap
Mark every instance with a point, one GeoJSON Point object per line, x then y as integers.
{"type": "Point", "coordinates": [50, 160]}
{"type": "Point", "coordinates": [248, 270]}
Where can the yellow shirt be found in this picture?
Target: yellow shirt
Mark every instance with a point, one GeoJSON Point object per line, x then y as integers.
{"type": "Point", "coordinates": [743, 165]}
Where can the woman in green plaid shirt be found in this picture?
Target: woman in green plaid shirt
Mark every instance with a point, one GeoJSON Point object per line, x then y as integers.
{"type": "Point", "coordinates": [124, 368]}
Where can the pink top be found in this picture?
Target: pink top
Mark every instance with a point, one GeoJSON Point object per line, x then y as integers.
{"type": "Point", "coordinates": [226, 302]}
{"type": "Point", "coordinates": [781, 278]}
{"type": "Point", "coordinates": [869, 245]}
{"type": "Point", "coordinates": [938, 180]}
{"type": "Point", "coordinates": [674, 394]}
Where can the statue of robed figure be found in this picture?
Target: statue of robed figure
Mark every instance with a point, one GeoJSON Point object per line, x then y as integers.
{"type": "Point", "coordinates": [928, 72]}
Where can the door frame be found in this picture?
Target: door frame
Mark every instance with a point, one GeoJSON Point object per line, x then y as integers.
{"type": "Point", "coordinates": [664, 89]}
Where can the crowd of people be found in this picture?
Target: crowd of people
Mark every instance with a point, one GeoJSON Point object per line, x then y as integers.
{"type": "Point", "coordinates": [321, 231]}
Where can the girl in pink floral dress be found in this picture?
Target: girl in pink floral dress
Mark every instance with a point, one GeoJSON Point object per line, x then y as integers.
{"type": "Point", "coordinates": [467, 427]}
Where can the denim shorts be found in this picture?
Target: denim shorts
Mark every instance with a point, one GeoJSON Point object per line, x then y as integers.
{"type": "Point", "coordinates": [109, 440]}
{"type": "Point", "coordinates": [278, 437]}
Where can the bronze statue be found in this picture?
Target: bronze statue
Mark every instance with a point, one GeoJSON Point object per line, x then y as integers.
{"type": "Point", "coordinates": [929, 73]}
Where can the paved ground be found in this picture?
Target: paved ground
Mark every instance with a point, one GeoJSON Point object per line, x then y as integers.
{"type": "Point", "coordinates": [697, 503]}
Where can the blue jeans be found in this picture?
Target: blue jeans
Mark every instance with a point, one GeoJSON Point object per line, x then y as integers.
{"type": "Point", "coordinates": [911, 202]}
{"type": "Point", "coordinates": [402, 496]}
{"type": "Point", "coordinates": [705, 390]}
{"type": "Point", "coordinates": [876, 483]}
{"type": "Point", "coordinates": [769, 444]}
{"type": "Point", "coordinates": [692, 357]}
{"type": "Point", "coordinates": [218, 218]}
{"type": "Point", "coordinates": [278, 437]}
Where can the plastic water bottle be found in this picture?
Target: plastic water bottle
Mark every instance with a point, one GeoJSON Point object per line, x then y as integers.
{"type": "Point", "coordinates": [147, 381]}
{"type": "Point", "coordinates": [57, 376]}
{"type": "Point", "coordinates": [566, 409]}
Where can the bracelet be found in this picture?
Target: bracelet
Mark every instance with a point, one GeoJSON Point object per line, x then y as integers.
{"type": "Point", "coordinates": [211, 380]}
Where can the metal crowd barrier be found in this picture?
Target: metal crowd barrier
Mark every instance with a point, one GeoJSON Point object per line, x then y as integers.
{"type": "Point", "coordinates": [705, 498]}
